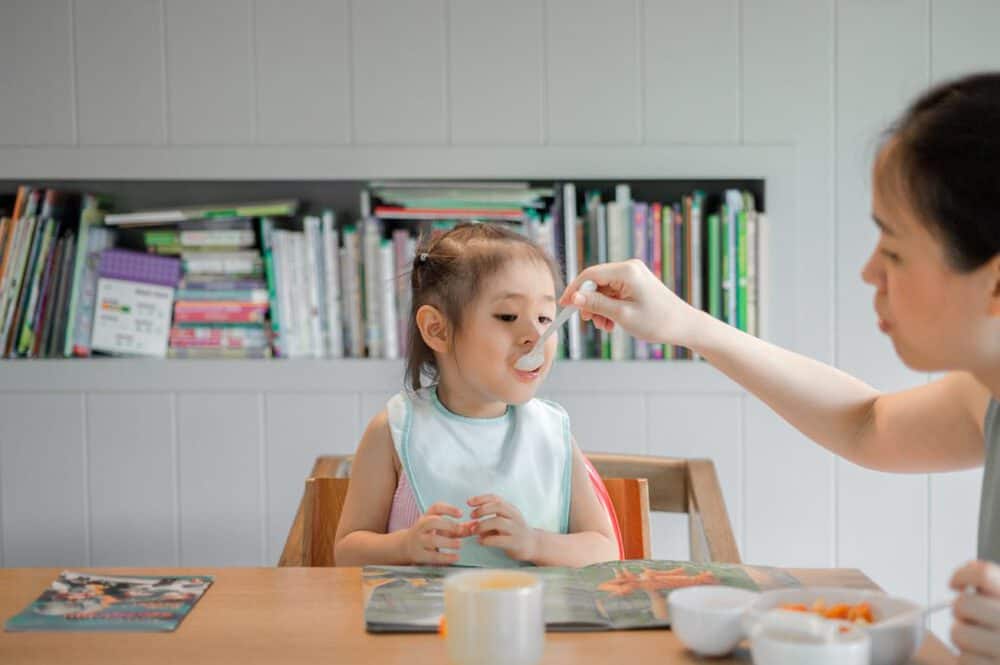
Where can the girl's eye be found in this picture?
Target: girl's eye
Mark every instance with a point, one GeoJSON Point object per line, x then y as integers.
{"type": "Point", "coordinates": [506, 318]}
{"type": "Point", "coordinates": [544, 319]}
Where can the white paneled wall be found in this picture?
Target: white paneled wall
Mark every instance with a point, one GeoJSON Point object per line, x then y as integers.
{"type": "Point", "coordinates": [159, 468]}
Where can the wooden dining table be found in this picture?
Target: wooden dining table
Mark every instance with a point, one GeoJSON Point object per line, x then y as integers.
{"type": "Point", "coordinates": [315, 615]}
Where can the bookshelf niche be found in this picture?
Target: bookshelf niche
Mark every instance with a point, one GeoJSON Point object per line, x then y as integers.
{"type": "Point", "coordinates": [721, 264]}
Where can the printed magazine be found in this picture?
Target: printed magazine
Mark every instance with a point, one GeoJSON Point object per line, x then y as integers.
{"type": "Point", "coordinates": [614, 595]}
{"type": "Point", "coordinates": [85, 602]}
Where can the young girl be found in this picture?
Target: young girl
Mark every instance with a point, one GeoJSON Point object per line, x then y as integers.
{"type": "Point", "coordinates": [471, 469]}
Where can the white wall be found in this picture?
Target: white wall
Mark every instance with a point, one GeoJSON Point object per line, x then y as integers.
{"type": "Point", "coordinates": [269, 88]}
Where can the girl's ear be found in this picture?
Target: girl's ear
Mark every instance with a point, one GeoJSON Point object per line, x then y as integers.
{"type": "Point", "coordinates": [434, 328]}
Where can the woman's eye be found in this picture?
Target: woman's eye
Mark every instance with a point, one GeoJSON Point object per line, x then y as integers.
{"type": "Point", "coordinates": [892, 256]}
{"type": "Point", "coordinates": [506, 318]}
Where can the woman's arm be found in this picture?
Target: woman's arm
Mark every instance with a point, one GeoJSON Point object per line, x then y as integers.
{"type": "Point", "coordinates": [936, 427]}
{"type": "Point", "coordinates": [590, 538]}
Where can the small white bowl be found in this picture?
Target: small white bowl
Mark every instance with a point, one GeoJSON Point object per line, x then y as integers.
{"type": "Point", "coordinates": [780, 637]}
{"type": "Point", "coordinates": [708, 619]}
{"type": "Point", "coordinates": [890, 646]}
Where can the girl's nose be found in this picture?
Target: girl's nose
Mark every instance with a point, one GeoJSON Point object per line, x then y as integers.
{"type": "Point", "coordinates": [531, 333]}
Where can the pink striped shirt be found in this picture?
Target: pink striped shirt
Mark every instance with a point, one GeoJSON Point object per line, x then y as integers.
{"type": "Point", "coordinates": [404, 512]}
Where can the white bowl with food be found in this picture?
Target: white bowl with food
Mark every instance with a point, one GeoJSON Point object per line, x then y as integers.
{"type": "Point", "coordinates": [708, 620]}
{"type": "Point", "coordinates": [893, 645]}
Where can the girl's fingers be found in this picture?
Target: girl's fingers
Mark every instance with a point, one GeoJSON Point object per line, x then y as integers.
{"type": "Point", "coordinates": [500, 508]}
{"type": "Point", "coordinates": [442, 508]}
{"type": "Point", "coordinates": [495, 525]}
{"type": "Point", "coordinates": [438, 558]}
{"type": "Point", "coordinates": [443, 526]}
{"type": "Point", "coordinates": [501, 541]}
{"type": "Point", "coordinates": [433, 541]}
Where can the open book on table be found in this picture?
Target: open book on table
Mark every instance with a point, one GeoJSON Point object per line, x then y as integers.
{"type": "Point", "coordinates": [614, 595]}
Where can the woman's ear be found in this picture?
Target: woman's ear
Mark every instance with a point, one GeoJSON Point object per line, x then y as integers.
{"type": "Point", "coordinates": [434, 328]}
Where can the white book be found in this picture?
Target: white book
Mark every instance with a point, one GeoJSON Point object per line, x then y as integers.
{"type": "Point", "coordinates": [572, 255]}
{"type": "Point", "coordinates": [132, 318]}
{"type": "Point", "coordinates": [300, 294]}
{"type": "Point", "coordinates": [618, 250]}
{"type": "Point", "coordinates": [387, 306]}
{"type": "Point", "coordinates": [372, 291]}
{"type": "Point", "coordinates": [404, 248]}
{"type": "Point", "coordinates": [353, 310]}
{"type": "Point", "coordinates": [331, 291]}
{"type": "Point", "coordinates": [281, 255]}
{"type": "Point", "coordinates": [225, 263]}
{"type": "Point", "coordinates": [315, 284]}
{"type": "Point", "coordinates": [623, 197]}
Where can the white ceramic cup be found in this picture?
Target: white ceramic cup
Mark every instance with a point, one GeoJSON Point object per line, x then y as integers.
{"type": "Point", "coordinates": [494, 617]}
{"type": "Point", "coordinates": [708, 619]}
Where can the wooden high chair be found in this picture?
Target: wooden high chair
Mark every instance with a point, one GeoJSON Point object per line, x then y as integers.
{"type": "Point", "coordinates": [635, 485]}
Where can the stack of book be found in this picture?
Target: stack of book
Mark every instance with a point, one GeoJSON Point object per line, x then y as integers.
{"type": "Point", "coordinates": [50, 243]}
{"type": "Point", "coordinates": [221, 305]}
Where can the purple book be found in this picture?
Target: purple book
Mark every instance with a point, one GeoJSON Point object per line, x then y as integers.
{"type": "Point", "coordinates": [140, 267]}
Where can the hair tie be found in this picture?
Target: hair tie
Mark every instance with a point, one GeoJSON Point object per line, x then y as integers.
{"type": "Point", "coordinates": [423, 257]}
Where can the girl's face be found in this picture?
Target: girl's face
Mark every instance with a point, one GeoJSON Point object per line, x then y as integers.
{"type": "Point", "coordinates": [938, 318]}
{"type": "Point", "coordinates": [513, 309]}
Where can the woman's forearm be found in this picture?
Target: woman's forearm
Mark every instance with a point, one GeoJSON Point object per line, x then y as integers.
{"type": "Point", "coordinates": [829, 406]}
{"type": "Point", "coordinates": [362, 548]}
{"type": "Point", "coordinates": [573, 549]}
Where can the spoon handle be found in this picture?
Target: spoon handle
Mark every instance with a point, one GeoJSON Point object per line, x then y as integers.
{"type": "Point", "coordinates": [564, 315]}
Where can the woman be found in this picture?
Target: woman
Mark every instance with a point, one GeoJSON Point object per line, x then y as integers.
{"type": "Point", "coordinates": [936, 273]}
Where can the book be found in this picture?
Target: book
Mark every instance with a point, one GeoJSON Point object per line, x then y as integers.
{"type": "Point", "coordinates": [612, 595]}
{"type": "Point", "coordinates": [87, 602]}
{"type": "Point", "coordinates": [217, 211]}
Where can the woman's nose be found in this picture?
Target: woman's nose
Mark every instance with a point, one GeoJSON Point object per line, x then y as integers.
{"type": "Point", "coordinates": [871, 272]}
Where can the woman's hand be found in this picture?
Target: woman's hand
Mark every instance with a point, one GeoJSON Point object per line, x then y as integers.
{"type": "Point", "coordinates": [506, 530]}
{"type": "Point", "coordinates": [631, 296]}
{"type": "Point", "coordinates": [433, 532]}
{"type": "Point", "coordinates": [976, 631]}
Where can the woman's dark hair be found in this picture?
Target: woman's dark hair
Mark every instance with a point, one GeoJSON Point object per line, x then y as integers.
{"type": "Point", "coordinates": [946, 149]}
{"type": "Point", "coordinates": [448, 272]}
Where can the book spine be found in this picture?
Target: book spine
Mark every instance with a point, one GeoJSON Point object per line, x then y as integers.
{"type": "Point", "coordinates": [639, 247]}
{"type": "Point", "coordinates": [372, 292]}
{"type": "Point", "coordinates": [403, 249]}
{"type": "Point", "coordinates": [734, 203]}
{"type": "Point", "coordinates": [331, 273]}
{"type": "Point", "coordinates": [27, 284]}
{"type": "Point", "coordinates": [741, 271]}
{"type": "Point", "coordinates": [99, 238]}
{"type": "Point", "coordinates": [89, 214]}
{"type": "Point", "coordinates": [667, 237]}
{"type": "Point", "coordinates": [282, 249]}
{"type": "Point", "coordinates": [618, 250]}
{"type": "Point", "coordinates": [387, 306]}
{"type": "Point", "coordinates": [58, 339]}
{"type": "Point", "coordinates": [752, 272]}
{"type": "Point", "coordinates": [656, 237]}
{"type": "Point", "coordinates": [572, 253]}
{"type": "Point", "coordinates": [216, 238]}
{"type": "Point", "coordinates": [714, 256]}
{"type": "Point", "coordinates": [315, 286]}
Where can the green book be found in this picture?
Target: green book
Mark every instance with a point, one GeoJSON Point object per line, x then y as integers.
{"type": "Point", "coordinates": [90, 214]}
{"type": "Point", "coordinates": [726, 290]}
{"type": "Point", "coordinates": [741, 270]}
{"type": "Point", "coordinates": [161, 238]}
{"type": "Point", "coordinates": [714, 267]}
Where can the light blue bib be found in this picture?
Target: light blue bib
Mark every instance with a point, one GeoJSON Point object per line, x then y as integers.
{"type": "Point", "coordinates": [523, 456]}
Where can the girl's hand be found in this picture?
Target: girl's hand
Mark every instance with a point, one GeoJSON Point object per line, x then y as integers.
{"type": "Point", "coordinates": [506, 530]}
{"type": "Point", "coordinates": [976, 631]}
{"type": "Point", "coordinates": [631, 296]}
{"type": "Point", "coordinates": [431, 533]}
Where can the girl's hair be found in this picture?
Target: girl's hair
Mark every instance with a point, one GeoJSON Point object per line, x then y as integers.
{"type": "Point", "coordinates": [947, 154]}
{"type": "Point", "coordinates": [448, 272]}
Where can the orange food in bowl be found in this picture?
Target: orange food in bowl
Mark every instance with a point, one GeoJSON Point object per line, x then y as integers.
{"type": "Point", "coordinates": [859, 613]}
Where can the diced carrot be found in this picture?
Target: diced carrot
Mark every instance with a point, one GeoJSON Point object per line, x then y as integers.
{"type": "Point", "coordinates": [794, 607]}
{"type": "Point", "coordinates": [443, 627]}
{"type": "Point", "coordinates": [838, 611]}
